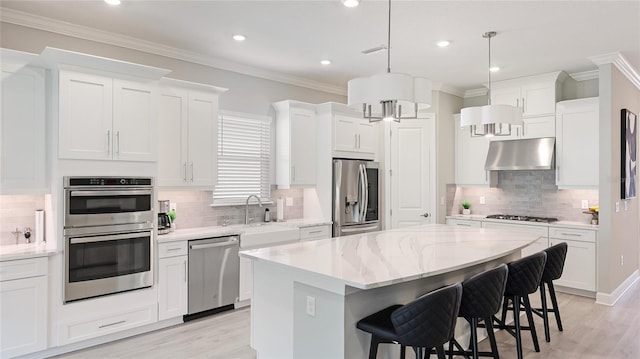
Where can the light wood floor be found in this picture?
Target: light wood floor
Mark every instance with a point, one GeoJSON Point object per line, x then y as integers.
{"type": "Point", "coordinates": [590, 331]}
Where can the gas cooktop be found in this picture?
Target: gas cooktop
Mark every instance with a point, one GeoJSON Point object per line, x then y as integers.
{"type": "Point", "coordinates": [511, 217]}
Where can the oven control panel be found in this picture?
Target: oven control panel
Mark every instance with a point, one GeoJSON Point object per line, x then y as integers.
{"type": "Point", "coordinates": [108, 181]}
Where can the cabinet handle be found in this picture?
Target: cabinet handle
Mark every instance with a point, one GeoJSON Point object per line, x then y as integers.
{"type": "Point", "coordinates": [184, 177]}
{"type": "Point", "coordinates": [118, 143]}
{"type": "Point", "coordinates": [523, 128]}
{"type": "Point", "coordinates": [293, 173]}
{"type": "Point", "coordinates": [111, 324]}
{"type": "Point", "coordinates": [571, 234]}
{"type": "Point", "coordinates": [558, 172]}
{"type": "Point", "coordinates": [191, 171]}
{"type": "Point", "coordinates": [463, 224]}
{"type": "Point", "coordinates": [173, 249]}
{"type": "Point", "coordinates": [314, 232]}
{"type": "Point", "coordinates": [355, 139]}
{"type": "Point", "coordinates": [359, 141]}
{"type": "Point", "coordinates": [523, 104]}
{"type": "Point", "coordinates": [108, 142]}
{"type": "Point", "coordinates": [486, 176]}
{"type": "Point", "coordinates": [517, 102]}
{"type": "Point", "coordinates": [185, 271]}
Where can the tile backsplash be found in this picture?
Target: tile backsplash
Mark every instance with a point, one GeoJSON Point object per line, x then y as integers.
{"type": "Point", "coordinates": [18, 212]}
{"type": "Point", "coordinates": [193, 208]}
{"type": "Point", "coordinates": [530, 193]}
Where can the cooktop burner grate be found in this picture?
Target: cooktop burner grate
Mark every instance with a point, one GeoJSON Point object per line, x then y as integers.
{"type": "Point", "coordinates": [512, 217]}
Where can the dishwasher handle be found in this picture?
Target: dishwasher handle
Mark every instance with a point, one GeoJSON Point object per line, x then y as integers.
{"type": "Point", "coordinates": [214, 245]}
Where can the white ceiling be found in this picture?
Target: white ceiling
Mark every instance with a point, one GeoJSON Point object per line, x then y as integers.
{"type": "Point", "coordinates": [291, 37]}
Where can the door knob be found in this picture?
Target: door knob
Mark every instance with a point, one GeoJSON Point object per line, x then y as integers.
{"type": "Point", "coordinates": [426, 215]}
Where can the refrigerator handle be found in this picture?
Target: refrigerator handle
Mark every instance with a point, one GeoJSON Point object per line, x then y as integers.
{"type": "Point", "coordinates": [363, 192]}
{"type": "Point", "coordinates": [365, 185]}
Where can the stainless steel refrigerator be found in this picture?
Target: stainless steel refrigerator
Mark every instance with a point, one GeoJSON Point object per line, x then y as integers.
{"type": "Point", "coordinates": [356, 197]}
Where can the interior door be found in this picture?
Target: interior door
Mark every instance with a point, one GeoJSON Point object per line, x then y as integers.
{"type": "Point", "coordinates": [412, 151]}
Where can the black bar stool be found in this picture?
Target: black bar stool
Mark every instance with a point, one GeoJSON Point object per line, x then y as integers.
{"type": "Point", "coordinates": [481, 299]}
{"type": "Point", "coordinates": [553, 268]}
{"type": "Point", "coordinates": [523, 279]}
{"type": "Point", "coordinates": [427, 322]}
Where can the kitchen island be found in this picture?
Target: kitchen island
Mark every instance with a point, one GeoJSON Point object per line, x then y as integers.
{"type": "Point", "coordinates": [307, 297]}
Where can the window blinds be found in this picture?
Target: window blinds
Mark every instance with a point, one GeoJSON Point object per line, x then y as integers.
{"type": "Point", "coordinates": [244, 143]}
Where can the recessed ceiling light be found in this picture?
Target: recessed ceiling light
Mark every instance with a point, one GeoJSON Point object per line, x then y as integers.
{"type": "Point", "coordinates": [494, 68]}
{"type": "Point", "coordinates": [326, 62]}
{"type": "Point", "coordinates": [112, 2]}
{"type": "Point", "coordinates": [239, 37]}
{"type": "Point", "coordinates": [350, 3]}
{"type": "Point", "coordinates": [443, 43]}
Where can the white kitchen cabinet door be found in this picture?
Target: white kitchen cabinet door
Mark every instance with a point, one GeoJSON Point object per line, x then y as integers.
{"type": "Point", "coordinates": [464, 223]}
{"type": "Point", "coordinates": [367, 136]}
{"type": "Point", "coordinates": [539, 245]}
{"type": "Point", "coordinates": [344, 132]}
{"type": "Point", "coordinates": [580, 265]}
{"type": "Point", "coordinates": [506, 96]}
{"type": "Point", "coordinates": [201, 163]}
{"type": "Point", "coordinates": [172, 120]}
{"type": "Point", "coordinates": [246, 279]}
{"type": "Point", "coordinates": [577, 143]}
{"type": "Point", "coordinates": [535, 127]}
{"type": "Point", "coordinates": [470, 157]}
{"type": "Point", "coordinates": [22, 130]}
{"type": "Point", "coordinates": [303, 147]}
{"type": "Point", "coordinates": [538, 98]}
{"type": "Point", "coordinates": [172, 287]}
{"type": "Point", "coordinates": [85, 115]}
{"type": "Point", "coordinates": [134, 121]}
{"type": "Point", "coordinates": [23, 323]}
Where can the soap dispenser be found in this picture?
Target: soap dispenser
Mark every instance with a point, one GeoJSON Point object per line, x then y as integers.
{"type": "Point", "coordinates": [267, 215]}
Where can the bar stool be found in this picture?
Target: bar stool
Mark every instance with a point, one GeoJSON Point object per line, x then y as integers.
{"type": "Point", "coordinates": [481, 299]}
{"type": "Point", "coordinates": [427, 322]}
{"type": "Point", "coordinates": [553, 268]}
{"type": "Point", "coordinates": [523, 279]}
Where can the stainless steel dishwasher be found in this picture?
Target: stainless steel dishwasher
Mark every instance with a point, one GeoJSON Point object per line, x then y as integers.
{"type": "Point", "coordinates": [214, 268]}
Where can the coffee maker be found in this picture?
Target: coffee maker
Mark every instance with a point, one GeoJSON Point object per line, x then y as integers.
{"type": "Point", "coordinates": [164, 221]}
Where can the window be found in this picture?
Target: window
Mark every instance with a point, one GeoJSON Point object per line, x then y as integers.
{"type": "Point", "coordinates": [244, 143]}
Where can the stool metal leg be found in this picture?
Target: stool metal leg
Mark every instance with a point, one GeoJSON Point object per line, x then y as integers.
{"type": "Point", "coordinates": [373, 349]}
{"type": "Point", "coordinates": [532, 325]}
{"type": "Point", "coordinates": [474, 337]}
{"type": "Point", "coordinates": [545, 312]}
{"type": "Point", "coordinates": [403, 351]}
{"type": "Point", "coordinates": [440, 352]}
{"type": "Point", "coordinates": [492, 338]}
{"type": "Point", "coordinates": [554, 302]}
{"type": "Point", "coordinates": [516, 319]}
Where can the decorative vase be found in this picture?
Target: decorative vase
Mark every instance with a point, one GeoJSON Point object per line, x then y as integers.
{"type": "Point", "coordinates": [466, 211]}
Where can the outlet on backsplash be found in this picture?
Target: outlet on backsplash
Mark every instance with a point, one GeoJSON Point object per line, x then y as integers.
{"type": "Point", "coordinates": [585, 204]}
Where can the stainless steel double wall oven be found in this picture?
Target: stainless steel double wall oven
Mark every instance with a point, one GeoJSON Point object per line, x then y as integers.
{"type": "Point", "coordinates": [108, 233]}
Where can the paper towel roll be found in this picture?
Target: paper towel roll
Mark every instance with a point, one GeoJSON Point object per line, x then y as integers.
{"type": "Point", "coordinates": [39, 230]}
{"type": "Point", "coordinates": [279, 209]}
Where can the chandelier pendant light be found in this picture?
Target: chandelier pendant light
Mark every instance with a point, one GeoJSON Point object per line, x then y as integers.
{"type": "Point", "coordinates": [382, 97]}
{"type": "Point", "coordinates": [490, 117]}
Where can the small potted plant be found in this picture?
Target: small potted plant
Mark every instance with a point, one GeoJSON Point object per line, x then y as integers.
{"type": "Point", "coordinates": [466, 207]}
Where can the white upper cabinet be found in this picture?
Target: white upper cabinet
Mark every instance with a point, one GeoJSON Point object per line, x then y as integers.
{"type": "Point", "coordinates": [296, 144]}
{"type": "Point", "coordinates": [471, 155]}
{"type": "Point", "coordinates": [22, 128]}
{"type": "Point", "coordinates": [577, 139]}
{"type": "Point", "coordinates": [188, 134]}
{"type": "Point", "coordinates": [353, 134]}
{"type": "Point", "coordinates": [537, 97]}
{"type": "Point", "coordinates": [103, 118]}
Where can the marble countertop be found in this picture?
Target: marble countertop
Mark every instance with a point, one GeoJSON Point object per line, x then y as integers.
{"type": "Point", "coordinates": [382, 258]}
{"type": "Point", "coordinates": [561, 224]}
{"type": "Point", "coordinates": [25, 251]}
{"type": "Point", "coordinates": [237, 229]}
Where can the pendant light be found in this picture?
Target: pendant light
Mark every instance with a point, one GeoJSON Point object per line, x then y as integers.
{"type": "Point", "coordinates": [490, 117]}
{"type": "Point", "coordinates": [384, 96]}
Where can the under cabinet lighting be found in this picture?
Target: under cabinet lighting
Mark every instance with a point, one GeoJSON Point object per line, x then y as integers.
{"type": "Point", "coordinates": [112, 2]}
{"type": "Point", "coordinates": [239, 37]}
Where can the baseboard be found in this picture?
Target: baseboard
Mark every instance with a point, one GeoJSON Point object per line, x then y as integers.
{"type": "Point", "coordinates": [574, 291]}
{"type": "Point", "coordinates": [610, 299]}
{"type": "Point", "coordinates": [104, 339]}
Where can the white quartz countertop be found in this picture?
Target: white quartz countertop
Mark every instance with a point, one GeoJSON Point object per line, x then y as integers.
{"type": "Point", "coordinates": [25, 251]}
{"type": "Point", "coordinates": [559, 224]}
{"type": "Point", "coordinates": [378, 259]}
{"type": "Point", "coordinates": [237, 229]}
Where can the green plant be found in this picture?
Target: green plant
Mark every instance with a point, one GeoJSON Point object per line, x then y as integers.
{"type": "Point", "coordinates": [465, 204]}
{"type": "Point", "coordinates": [172, 215]}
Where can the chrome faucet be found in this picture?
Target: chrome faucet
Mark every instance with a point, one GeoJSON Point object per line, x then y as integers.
{"type": "Point", "coordinates": [246, 207]}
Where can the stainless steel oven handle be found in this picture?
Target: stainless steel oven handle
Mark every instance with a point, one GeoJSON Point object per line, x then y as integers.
{"type": "Point", "coordinates": [109, 193]}
{"type": "Point", "coordinates": [350, 230]}
{"type": "Point", "coordinates": [213, 245]}
{"type": "Point", "coordinates": [113, 237]}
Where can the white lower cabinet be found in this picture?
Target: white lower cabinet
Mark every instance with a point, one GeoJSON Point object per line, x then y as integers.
{"type": "Point", "coordinates": [23, 304]}
{"type": "Point", "coordinates": [580, 265]}
{"type": "Point", "coordinates": [315, 232]}
{"type": "Point", "coordinates": [464, 223]}
{"type": "Point", "coordinates": [246, 279]}
{"type": "Point", "coordinates": [541, 244]}
{"type": "Point", "coordinates": [172, 280]}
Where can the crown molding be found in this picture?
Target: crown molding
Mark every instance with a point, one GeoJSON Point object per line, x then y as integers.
{"type": "Point", "coordinates": [476, 92]}
{"type": "Point", "coordinates": [585, 75]}
{"type": "Point", "coordinates": [83, 32]}
{"type": "Point", "coordinates": [438, 86]}
{"type": "Point", "coordinates": [621, 63]}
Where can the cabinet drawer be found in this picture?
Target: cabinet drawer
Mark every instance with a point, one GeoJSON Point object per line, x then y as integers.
{"type": "Point", "coordinates": [464, 223]}
{"type": "Point", "coordinates": [23, 268]}
{"type": "Point", "coordinates": [572, 234]}
{"type": "Point", "coordinates": [172, 249]}
{"type": "Point", "coordinates": [542, 231]}
{"type": "Point", "coordinates": [81, 330]}
{"type": "Point", "coordinates": [315, 232]}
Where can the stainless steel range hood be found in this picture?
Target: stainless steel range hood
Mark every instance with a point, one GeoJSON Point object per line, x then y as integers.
{"type": "Point", "coordinates": [528, 154]}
